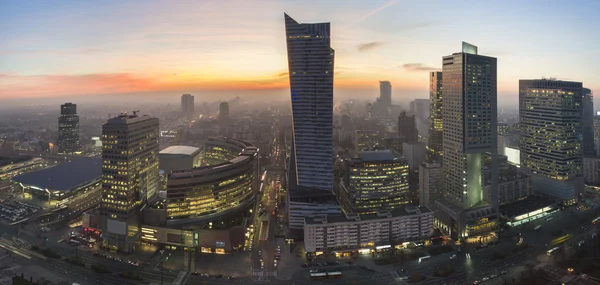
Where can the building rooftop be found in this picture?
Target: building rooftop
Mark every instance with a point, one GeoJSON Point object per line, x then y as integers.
{"type": "Point", "coordinates": [353, 217]}
{"type": "Point", "coordinates": [376, 155]}
{"type": "Point", "coordinates": [180, 149]}
{"type": "Point", "coordinates": [64, 177]}
{"type": "Point", "coordinates": [527, 205]}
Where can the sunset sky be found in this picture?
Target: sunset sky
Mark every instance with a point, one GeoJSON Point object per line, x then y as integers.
{"type": "Point", "coordinates": [81, 48]}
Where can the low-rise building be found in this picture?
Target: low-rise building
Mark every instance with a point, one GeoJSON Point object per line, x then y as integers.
{"type": "Point", "coordinates": [179, 157]}
{"type": "Point", "coordinates": [380, 230]}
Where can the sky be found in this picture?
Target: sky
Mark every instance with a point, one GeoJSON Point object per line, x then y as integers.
{"type": "Point", "coordinates": [227, 48]}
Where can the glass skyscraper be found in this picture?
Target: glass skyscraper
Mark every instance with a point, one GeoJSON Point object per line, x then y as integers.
{"type": "Point", "coordinates": [310, 61]}
{"type": "Point", "coordinates": [435, 114]}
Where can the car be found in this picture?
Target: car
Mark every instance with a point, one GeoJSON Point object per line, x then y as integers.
{"type": "Point", "coordinates": [453, 256]}
{"type": "Point", "coordinates": [204, 275]}
{"type": "Point", "coordinates": [485, 279]}
{"type": "Point", "coordinates": [503, 272]}
{"type": "Point", "coordinates": [493, 276]}
{"type": "Point", "coordinates": [260, 253]}
{"type": "Point", "coordinates": [314, 271]}
{"type": "Point", "coordinates": [220, 276]}
{"type": "Point", "coordinates": [231, 278]}
{"type": "Point", "coordinates": [195, 273]}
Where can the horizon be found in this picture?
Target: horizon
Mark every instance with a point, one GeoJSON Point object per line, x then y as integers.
{"type": "Point", "coordinates": [71, 50]}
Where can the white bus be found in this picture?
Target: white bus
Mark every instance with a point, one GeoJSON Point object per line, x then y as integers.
{"type": "Point", "coordinates": [424, 258]}
{"type": "Point", "coordinates": [552, 251]}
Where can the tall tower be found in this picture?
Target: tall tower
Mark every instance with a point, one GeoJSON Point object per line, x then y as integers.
{"type": "Point", "coordinates": [310, 62]}
{"type": "Point", "coordinates": [435, 113]}
{"type": "Point", "coordinates": [469, 119]}
{"type": "Point", "coordinates": [407, 128]}
{"type": "Point", "coordinates": [587, 124]}
{"type": "Point", "coordinates": [550, 122]}
{"type": "Point", "coordinates": [187, 105]}
{"type": "Point", "coordinates": [129, 174]}
{"type": "Point", "coordinates": [310, 176]}
{"type": "Point", "coordinates": [385, 93]}
{"type": "Point", "coordinates": [68, 129]}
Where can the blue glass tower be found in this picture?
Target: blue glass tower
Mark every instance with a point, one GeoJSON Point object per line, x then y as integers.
{"type": "Point", "coordinates": [310, 62]}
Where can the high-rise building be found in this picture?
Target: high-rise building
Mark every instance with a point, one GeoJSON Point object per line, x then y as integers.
{"type": "Point", "coordinates": [187, 105]}
{"type": "Point", "coordinates": [224, 111]}
{"type": "Point", "coordinates": [550, 121]}
{"type": "Point", "coordinates": [68, 129]}
{"type": "Point", "coordinates": [129, 175]}
{"type": "Point", "coordinates": [469, 117]}
{"type": "Point", "coordinates": [385, 93]}
{"type": "Point", "coordinates": [596, 124]}
{"type": "Point", "coordinates": [431, 179]}
{"type": "Point", "coordinates": [407, 129]}
{"type": "Point", "coordinates": [435, 114]}
{"type": "Point", "coordinates": [310, 176]}
{"type": "Point", "coordinates": [414, 153]}
{"type": "Point", "coordinates": [310, 61]}
{"type": "Point", "coordinates": [587, 124]}
{"type": "Point", "coordinates": [365, 140]}
{"type": "Point", "coordinates": [375, 181]}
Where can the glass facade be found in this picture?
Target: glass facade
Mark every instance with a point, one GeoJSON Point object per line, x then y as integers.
{"type": "Point", "coordinates": [207, 192]}
{"type": "Point", "coordinates": [68, 129]}
{"type": "Point", "coordinates": [435, 113]}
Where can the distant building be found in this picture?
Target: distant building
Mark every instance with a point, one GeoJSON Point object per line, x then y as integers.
{"type": "Point", "coordinates": [375, 181]}
{"type": "Point", "coordinates": [129, 157]}
{"type": "Point", "coordinates": [414, 153]}
{"type": "Point", "coordinates": [407, 128]}
{"type": "Point", "coordinates": [224, 111]}
{"type": "Point", "coordinates": [431, 179]}
{"type": "Point", "coordinates": [187, 105]}
{"type": "Point", "coordinates": [179, 157]}
{"type": "Point", "coordinates": [587, 124]}
{"type": "Point", "coordinates": [550, 113]}
{"type": "Point", "coordinates": [502, 129]}
{"type": "Point", "coordinates": [366, 140]}
{"type": "Point", "coordinates": [385, 93]}
{"type": "Point", "coordinates": [68, 129]}
{"type": "Point", "coordinates": [367, 233]}
{"type": "Point", "coordinates": [435, 113]}
{"type": "Point", "coordinates": [591, 170]}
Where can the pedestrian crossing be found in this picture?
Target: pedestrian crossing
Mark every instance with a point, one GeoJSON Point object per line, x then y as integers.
{"type": "Point", "coordinates": [262, 273]}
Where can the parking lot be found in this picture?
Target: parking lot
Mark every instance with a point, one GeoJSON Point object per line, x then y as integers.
{"type": "Point", "coordinates": [13, 211]}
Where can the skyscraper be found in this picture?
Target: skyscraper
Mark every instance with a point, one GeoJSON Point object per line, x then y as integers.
{"type": "Point", "coordinates": [469, 118]}
{"type": "Point", "coordinates": [435, 113]}
{"type": "Point", "coordinates": [310, 176]}
{"type": "Point", "coordinates": [550, 121]}
{"type": "Point", "coordinates": [310, 61]}
{"type": "Point", "coordinates": [385, 93]}
{"type": "Point", "coordinates": [129, 174]}
{"type": "Point", "coordinates": [68, 129]}
{"type": "Point", "coordinates": [587, 124]}
{"type": "Point", "coordinates": [224, 111]}
{"type": "Point", "coordinates": [187, 105]}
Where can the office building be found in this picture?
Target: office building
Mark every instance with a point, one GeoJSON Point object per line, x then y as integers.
{"type": "Point", "coordinates": [550, 118]}
{"type": "Point", "coordinates": [208, 193]}
{"type": "Point", "coordinates": [224, 111]}
{"type": "Point", "coordinates": [431, 179]}
{"type": "Point", "coordinates": [310, 176]}
{"type": "Point", "coordinates": [502, 129]}
{"type": "Point", "coordinates": [179, 157]}
{"type": "Point", "coordinates": [420, 109]}
{"type": "Point", "coordinates": [435, 141]}
{"type": "Point", "coordinates": [591, 171]}
{"type": "Point", "coordinates": [368, 233]}
{"type": "Point", "coordinates": [375, 181]}
{"type": "Point", "coordinates": [366, 140]}
{"type": "Point", "coordinates": [407, 128]}
{"type": "Point", "coordinates": [597, 133]}
{"type": "Point", "coordinates": [513, 184]}
{"type": "Point", "coordinates": [587, 124]}
{"type": "Point", "coordinates": [310, 60]}
{"type": "Point", "coordinates": [130, 175]}
{"type": "Point", "coordinates": [469, 117]}
{"type": "Point", "coordinates": [187, 105]}
{"type": "Point", "coordinates": [68, 129]}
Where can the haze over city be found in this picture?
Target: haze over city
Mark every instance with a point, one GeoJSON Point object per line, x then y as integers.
{"type": "Point", "coordinates": [218, 49]}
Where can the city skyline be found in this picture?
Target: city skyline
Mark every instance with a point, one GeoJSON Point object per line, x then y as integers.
{"type": "Point", "coordinates": [64, 48]}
